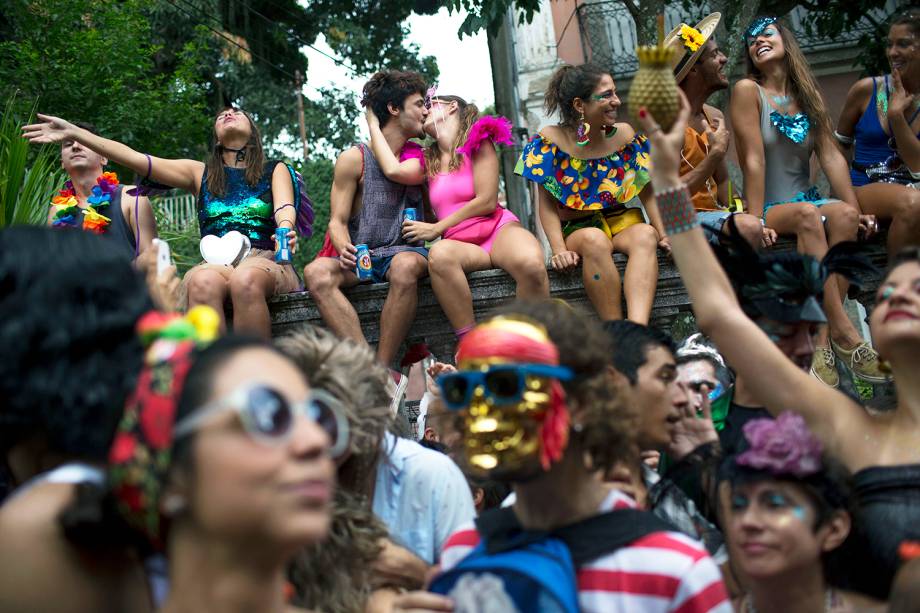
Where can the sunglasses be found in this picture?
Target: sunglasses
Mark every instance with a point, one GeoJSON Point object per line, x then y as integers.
{"type": "Point", "coordinates": [268, 417]}
{"type": "Point", "coordinates": [503, 383]}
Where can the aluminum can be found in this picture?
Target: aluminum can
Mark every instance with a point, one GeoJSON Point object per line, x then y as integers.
{"type": "Point", "coordinates": [283, 254]}
{"type": "Point", "coordinates": [364, 269]}
{"type": "Point", "coordinates": [410, 215]}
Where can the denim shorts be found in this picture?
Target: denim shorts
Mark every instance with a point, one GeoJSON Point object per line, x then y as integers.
{"type": "Point", "coordinates": [712, 222]}
{"type": "Point", "coordinates": [381, 265]}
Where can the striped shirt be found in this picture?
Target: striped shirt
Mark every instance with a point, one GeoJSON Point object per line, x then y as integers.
{"type": "Point", "coordinates": [662, 571]}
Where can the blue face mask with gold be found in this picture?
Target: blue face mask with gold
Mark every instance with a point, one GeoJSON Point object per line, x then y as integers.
{"type": "Point", "coordinates": [756, 29]}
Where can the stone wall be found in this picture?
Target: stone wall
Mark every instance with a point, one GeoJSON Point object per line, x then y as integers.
{"type": "Point", "coordinates": [492, 288]}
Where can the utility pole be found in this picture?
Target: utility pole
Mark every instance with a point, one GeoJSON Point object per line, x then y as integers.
{"type": "Point", "coordinates": [298, 79]}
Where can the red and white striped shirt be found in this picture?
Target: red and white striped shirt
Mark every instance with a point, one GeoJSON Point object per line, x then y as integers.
{"type": "Point", "coordinates": [662, 571]}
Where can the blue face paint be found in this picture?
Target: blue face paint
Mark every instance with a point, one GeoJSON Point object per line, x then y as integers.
{"type": "Point", "coordinates": [799, 513]}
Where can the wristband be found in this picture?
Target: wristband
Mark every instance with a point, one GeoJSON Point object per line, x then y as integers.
{"type": "Point", "coordinates": [677, 211]}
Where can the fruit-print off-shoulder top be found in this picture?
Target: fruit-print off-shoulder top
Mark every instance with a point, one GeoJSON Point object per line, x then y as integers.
{"type": "Point", "coordinates": [606, 183]}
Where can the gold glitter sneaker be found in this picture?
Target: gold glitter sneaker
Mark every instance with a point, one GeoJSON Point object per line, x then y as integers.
{"type": "Point", "coordinates": [824, 367]}
{"type": "Point", "coordinates": [863, 362]}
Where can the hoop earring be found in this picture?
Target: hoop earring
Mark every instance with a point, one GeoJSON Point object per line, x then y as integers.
{"type": "Point", "coordinates": [581, 133]}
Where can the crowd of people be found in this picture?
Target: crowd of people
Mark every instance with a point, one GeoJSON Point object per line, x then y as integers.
{"type": "Point", "coordinates": [154, 461]}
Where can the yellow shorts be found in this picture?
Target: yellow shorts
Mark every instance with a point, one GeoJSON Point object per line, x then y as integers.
{"type": "Point", "coordinates": [611, 223]}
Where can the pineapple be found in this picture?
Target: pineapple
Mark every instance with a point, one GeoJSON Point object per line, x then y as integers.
{"type": "Point", "coordinates": [654, 86]}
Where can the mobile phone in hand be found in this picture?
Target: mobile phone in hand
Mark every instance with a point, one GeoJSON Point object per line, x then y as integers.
{"type": "Point", "coordinates": [163, 259]}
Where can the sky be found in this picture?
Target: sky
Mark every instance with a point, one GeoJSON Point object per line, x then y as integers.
{"type": "Point", "coordinates": [464, 64]}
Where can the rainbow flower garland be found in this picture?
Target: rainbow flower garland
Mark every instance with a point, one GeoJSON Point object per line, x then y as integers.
{"type": "Point", "coordinates": [67, 208]}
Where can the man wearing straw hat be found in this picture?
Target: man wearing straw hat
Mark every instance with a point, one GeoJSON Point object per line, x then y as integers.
{"type": "Point", "coordinates": [699, 70]}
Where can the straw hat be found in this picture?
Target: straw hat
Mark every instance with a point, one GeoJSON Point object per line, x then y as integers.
{"type": "Point", "coordinates": [690, 47]}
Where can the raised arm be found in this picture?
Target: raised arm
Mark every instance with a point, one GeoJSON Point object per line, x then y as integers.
{"type": "Point", "coordinates": [183, 174]}
{"type": "Point", "coordinates": [774, 379]}
{"type": "Point", "coordinates": [344, 187]}
{"type": "Point", "coordinates": [407, 172]}
{"type": "Point", "coordinates": [745, 114]}
{"type": "Point", "coordinates": [908, 144]}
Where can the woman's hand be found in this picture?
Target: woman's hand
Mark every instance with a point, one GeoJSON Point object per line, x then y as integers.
{"type": "Point", "coordinates": [868, 226]}
{"type": "Point", "coordinates": [371, 117]}
{"type": "Point", "coordinates": [564, 260]}
{"type": "Point", "coordinates": [664, 243]}
{"type": "Point", "coordinates": [49, 130]}
{"type": "Point", "coordinates": [436, 370]}
{"type": "Point", "coordinates": [898, 99]}
{"type": "Point", "coordinates": [292, 241]}
{"type": "Point", "coordinates": [420, 602]}
{"type": "Point", "coordinates": [666, 146]}
{"type": "Point", "coordinates": [694, 428]}
{"type": "Point", "coordinates": [768, 237]}
{"type": "Point", "coordinates": [419, 231]}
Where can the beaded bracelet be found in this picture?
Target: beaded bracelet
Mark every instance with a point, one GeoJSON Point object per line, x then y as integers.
{"type": "Point", "coordinates": [677, 211]}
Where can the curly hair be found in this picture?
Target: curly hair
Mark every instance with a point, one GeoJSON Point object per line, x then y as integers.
{"type": "Point", "coordinates": [350, 373]}
{"type": "Point", "coordinates": [568, 83]}
{"type": "Point", "coordinates": [337, 574]}
{"type": "Point", "coordinates": [69, 355]}
{"type": "Point", "coordinates": [468, 113]}
{"type": "Point", "coordinates": [608, 422]}
{"type": "Point", "coordinates": [390, 87]}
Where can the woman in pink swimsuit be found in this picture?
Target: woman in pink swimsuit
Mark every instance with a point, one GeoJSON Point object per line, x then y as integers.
{"type": "Point", "coordinates": [461, 168]}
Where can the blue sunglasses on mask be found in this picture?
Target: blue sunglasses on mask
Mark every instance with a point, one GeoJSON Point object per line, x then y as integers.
{"type": "Point", "coordinates": [502, 383]}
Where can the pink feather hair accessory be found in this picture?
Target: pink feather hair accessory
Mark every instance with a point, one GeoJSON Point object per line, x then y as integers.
{"type": "Point", "coordinates": [492, 127]}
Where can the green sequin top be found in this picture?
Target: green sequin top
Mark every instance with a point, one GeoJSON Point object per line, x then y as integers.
{"type": "Point", "coordinates": [245, 208]}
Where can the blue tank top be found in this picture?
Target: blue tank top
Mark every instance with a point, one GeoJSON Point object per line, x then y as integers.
{"type": "Point", "coordinates": [245, 208]}
{"type": "Point", "coordinates": [871, 146]}
{"type": "Point", "coordinates": [871, 142]}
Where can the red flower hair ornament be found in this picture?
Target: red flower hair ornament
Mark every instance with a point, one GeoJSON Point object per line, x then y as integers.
{"type": "Point", "coordinates": [140, 455]}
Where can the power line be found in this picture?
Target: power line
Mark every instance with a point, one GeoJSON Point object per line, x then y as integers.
{"type": "Point", "coordinates": [302, 41]}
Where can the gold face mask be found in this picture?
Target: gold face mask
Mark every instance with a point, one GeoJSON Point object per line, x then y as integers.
{"type": "Point", "coordinates": [502, 440]}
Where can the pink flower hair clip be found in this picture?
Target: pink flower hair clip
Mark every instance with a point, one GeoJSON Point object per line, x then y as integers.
{"type": "Point", "coordinates": [784, 446]}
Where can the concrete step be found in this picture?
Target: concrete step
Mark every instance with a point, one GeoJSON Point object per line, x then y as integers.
{"type": "Point", "coordinates": [491, 288]}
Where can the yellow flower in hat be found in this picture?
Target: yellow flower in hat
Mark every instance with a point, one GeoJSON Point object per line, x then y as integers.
{"type": "Point", "coordinates": [692, 37]}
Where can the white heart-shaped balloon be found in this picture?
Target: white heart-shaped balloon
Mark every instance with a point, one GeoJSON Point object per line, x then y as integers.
{"type": "Point", "coordinates": [226, 250]}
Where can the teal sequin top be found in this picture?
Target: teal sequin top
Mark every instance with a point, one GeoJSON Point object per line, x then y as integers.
{"type": "Point", "coordinates": [247, 209]}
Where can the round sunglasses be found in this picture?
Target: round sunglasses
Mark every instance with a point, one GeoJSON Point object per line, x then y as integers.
{"type": "Point", "coordinates": [502, 383]}
{"type": "Point", "coordinates": [268, 417]}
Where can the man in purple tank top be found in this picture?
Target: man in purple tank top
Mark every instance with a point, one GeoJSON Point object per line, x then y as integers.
{"type": "Point", "coordinates": [367, 208]}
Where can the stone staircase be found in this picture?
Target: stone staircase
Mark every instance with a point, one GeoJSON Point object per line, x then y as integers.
{"type": "Point", "coordinates": [491, 288]}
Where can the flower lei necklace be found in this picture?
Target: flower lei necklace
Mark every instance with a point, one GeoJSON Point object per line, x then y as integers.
{"type": "Point", "coordinates": [67, 208]}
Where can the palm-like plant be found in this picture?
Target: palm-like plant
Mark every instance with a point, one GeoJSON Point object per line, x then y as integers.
{"type": "Point", "coordinates": [25, 191]}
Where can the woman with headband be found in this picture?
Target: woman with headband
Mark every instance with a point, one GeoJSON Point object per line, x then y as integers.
{"type": "Point", "coordinates": [237, 189]}
{"type": "Point", "coordinates": [881, 121]}
{"type": "Point", "coordinates": [591, 174]}
{"type": "Point", "coordinates": [476, 232]}
{"type": "Point", "coordinates": [780, 120]}
{"type": "Point", "coordinates": [882, 451]}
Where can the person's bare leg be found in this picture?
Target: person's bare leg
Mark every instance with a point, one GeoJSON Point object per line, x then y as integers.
{"type": "Point", "coordinates": [598, 272]}
{"type": "Point", "coordinates": [842, 225]}
{"type": "Point", "coordinates": [448, 263]}
{"type": "Point", "coordinates": [324, 278]}
{"type": "Point", "coordinates": [402, 300]}
{"type": "Point", "coordinates": [250, 288]}
{"type": "Point", "coordinates": [898, 203]}
{"type": "Point", "coordinates": [209, 287]}
{"type": "Point", "coordinates": [640, 243]}
{"type": "Point", "coordinates": [518, 252]}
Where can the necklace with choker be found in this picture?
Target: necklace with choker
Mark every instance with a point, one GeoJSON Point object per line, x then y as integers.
{"type": "Point", "coordinates": [240, 153]}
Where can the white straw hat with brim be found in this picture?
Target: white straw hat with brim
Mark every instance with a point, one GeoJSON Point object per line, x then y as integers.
{"type": "Point", "coordinates": [685, 57]}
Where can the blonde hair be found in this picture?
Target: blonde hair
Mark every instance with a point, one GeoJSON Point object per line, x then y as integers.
{"type": "Point", "coordinates": [350, 373]}
{"type": "Point", "coordinates": [468, 114]}
{"type": "Point", "coordinates": [800, 83]}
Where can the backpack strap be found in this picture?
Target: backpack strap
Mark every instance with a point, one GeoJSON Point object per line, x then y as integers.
{"type": "Point", "coordinates": [586, 540]}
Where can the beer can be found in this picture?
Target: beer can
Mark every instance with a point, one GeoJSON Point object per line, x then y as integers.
{"type": "Point", "coordinates": [364, 270]}
{"type": "Point", "coordinates": [283, 254]}
{"type": "Point", "coordinates": [410, 215]}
